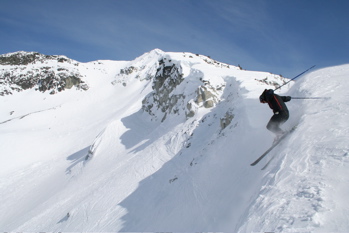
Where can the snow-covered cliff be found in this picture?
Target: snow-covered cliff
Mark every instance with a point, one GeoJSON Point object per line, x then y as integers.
{"type": "Point", "coordinates": [164, 143]}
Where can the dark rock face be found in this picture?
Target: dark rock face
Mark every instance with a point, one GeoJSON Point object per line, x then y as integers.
{"type": "Point", "coordinates": [25, 58]}
{"type": "Point", "coordinates": [167, 78]}
{"type": "Point", "coordinates": [26, 70]}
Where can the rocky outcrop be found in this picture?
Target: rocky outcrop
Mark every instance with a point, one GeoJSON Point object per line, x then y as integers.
{"type": "Point", "coordinates": [25, 58]}
{"type": "Point", "coordinates": [273, 80]}
{"type": "Point", "coordinates": [227, 119]}
{"type": "Point", "coordinates": [21, 71]}
{"type": "Point", "coordinates": [207, 96]}
{"type": "Point", "coordinates": [168, 95]}
{"type": "Point", "coordinates": [168, 77]}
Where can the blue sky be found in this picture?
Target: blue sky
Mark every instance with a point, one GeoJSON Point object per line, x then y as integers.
{"type": "Point", "coordinates": [278, 36]}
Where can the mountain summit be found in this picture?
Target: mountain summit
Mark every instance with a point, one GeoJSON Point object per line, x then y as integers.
{"type": "Point", "coordinates": [164, 143]}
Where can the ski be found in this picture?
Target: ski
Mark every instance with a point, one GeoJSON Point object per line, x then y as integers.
{"type": "Point", "coordinates": [267, 164]}
{"type": "Point", "coordinates": [272, 147]}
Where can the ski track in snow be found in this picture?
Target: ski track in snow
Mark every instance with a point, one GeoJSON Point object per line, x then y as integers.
{"type": "Point", "coordinates": [28, 114]}
{"type": "Point", "coordinates": [99, 163]}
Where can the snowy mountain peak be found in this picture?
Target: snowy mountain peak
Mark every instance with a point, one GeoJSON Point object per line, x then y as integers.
{"type": "Point", "coordinates": [164, 143]}
{"type": "Point", "coordinates": [185, 82]}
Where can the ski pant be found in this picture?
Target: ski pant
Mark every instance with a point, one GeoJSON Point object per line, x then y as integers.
{"type": "Point", "coordinates": [276, 121]}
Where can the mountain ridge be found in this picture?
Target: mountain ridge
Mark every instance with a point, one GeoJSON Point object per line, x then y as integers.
{"type": "Point", "coordinates": [164, 143]}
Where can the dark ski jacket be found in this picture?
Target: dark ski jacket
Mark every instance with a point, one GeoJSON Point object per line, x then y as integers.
{"type": "Point", "coordinates": [275, 102]}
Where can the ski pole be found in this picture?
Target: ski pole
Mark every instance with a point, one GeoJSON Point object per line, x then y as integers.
{"type": "Point", "coordinates": [313, 98]}
{"type": "Point", "coordinates": [295, 77]}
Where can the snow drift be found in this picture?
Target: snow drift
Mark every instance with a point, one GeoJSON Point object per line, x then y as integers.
{"type": "Point", "coordinates": [164, 143]}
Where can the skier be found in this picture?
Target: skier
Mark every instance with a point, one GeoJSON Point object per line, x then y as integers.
{"type": "Point", "coordinates": [281, 115]}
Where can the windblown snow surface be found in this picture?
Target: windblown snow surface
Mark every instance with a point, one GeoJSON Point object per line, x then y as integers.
{"type": "Point", "coordinates": [95, 161]}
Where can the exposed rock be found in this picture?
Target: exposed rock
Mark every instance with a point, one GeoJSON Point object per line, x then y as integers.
{"type": "Point", "coordinates": [167, 78]}
{"type": "Point", "coordinates": [18, 76]}
{"type": "Point", "coordinates": [192, 108]}
{"type": "Point", "coordinates": [273, 81]}
{"type": "Point", "coordinates": [128, 70]}
{"type": "Point", "coordinates": [168, 97]}
{"type": "Point", "coordinates": [226, 120]}
{"type": "Point", "coordinates": [206, 96]}
{"type": "Point", "coordinates": [25, 58]}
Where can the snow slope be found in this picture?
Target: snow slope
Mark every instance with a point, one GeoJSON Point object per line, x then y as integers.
{"type": "Point", "coordinates": [306, 188]}
{"type": "Point", "coordinates": [97, 161]}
